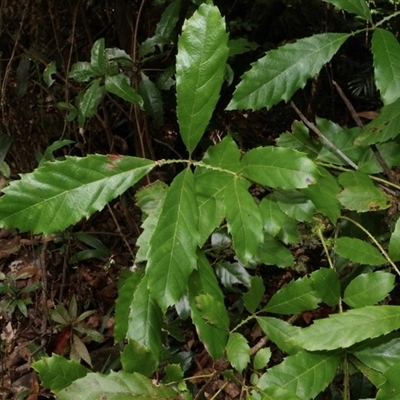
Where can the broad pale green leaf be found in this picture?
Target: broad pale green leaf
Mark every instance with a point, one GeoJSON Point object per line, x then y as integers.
{"type": "Point", "coordinates": [253, 297]}
{"type": "Point", "coordinates": [57, 372]}
{"type": "Point", "coordinates": [279, 168]}
{"type": "Point", "coordinates": [212, 311]}
{"type": "Point", "coordinates": [359, 251]}
{"type": "Point", "coordinates": [383, 128]}
{"type": "Point", "coordinates": [324, 195]}
{"type": "Point", "coordinates": [273, 217]}
{"type": "Point", "coordinates": [306, 374]}
{"type": "Point", "coordinates": [138, 358]}
{"type": "Point", "coordinates": [360, 193]}
{"type": "Point", "coordinates": [120, 86]}
{"type": "Point", "coordinates": [240, 46]}
{"type": "Point", "coordinates": [273, 252]}
{"type": "Point", "coordinates": [152, 99]}
{"type": "Point", "coordinates": [394, 243]}
{"type": "Point", "coordinates": [381, 353]}
{"type": "Point", "coordinates": [281, 72]}
{"type": "Point", "coordinates": [262, 358]}
{"type": "Point", "coordinates": [386, 54]}
{"type": "Point", "coordinates": [390, 152]}
{"type": "Point", "coordinates": [98, 58]}
{"type": "Point", "coordinates": [200, 69]}
{"type": "Point", "coordinates": [226, 155]}
{"type": "Point", "coordinates": [243, 218]}
{"type": "Point", "coordinates": [82, 71]}
{"type": "Point", "coordinates": [368, 289]}
{"type": "Point", "coordinates": [390, 390]}
{"type": "Point", "coordinates": [295, 297]}
{"type": "Point", "coordinates": [122, 307]}
{"type": "Point", "coordinates": [359, 7]}
{"type": "Point", "coordinates": [238, 351]}
{"type": "Point", "coordinates": [91, 99]}
{"type": "Point", "coordinates": [203, 281]}
{"type": "Point", "coordinates": [375, 377]}
{"type": "Point", "coordinates": [273, 393]}
{"type": "Point", "coordinates": [295, 204]}
{"type": "Point", "coordinates": [116, 386]}
{"type": "Point", "coordinates": [145, 319]}
{"type": "Point", "coordinates": [169, 18]}
{"type": "Point", "coordinates": [150, 199]}
{"type": "Point", "coordinates": [172, 255]}
{"type": "Point", "coordinates": [327, 285]}
{"type": "Point", "coordinates": [344, 330]}
{"type": "Point", "coordinates": [61, 193]}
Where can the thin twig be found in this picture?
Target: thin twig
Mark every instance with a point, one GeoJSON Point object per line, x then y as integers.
{"type": "Point", "coordinates": [325, 141]}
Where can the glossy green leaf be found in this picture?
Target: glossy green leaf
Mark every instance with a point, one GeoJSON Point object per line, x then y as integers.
{"type": "Point", "coordinates": [138, 358]}
{"type": "Point", "coordinates": [238, 351]}
{"type": "Point", "coordinates": [306, 374]}
{"type": "Point", "coordinates": [390, 152]}
{"type": "Point", "coordinates": [48, 73]}
{"type": "Point", "coordinates": [360, 193]}
{"type": "Point", "coordinates": [116, 386]}
{"type": "Point", "coordinates": [344, 330]}
{"type": "Point", "coordinates": [273, 252]}
{"type": "Point", "coordinates": [169, 18]}
{"type": "Point", "coordinates": [295, 204]}
{"type": "Point", "coordinates": [231, 273]}
{"type": "Point", "coordinates": [386, 54]}
{"type": "Point", "coordinates": [57, 372]}
{"type": "Point", "coordinates": [82, 71]}
{"type": "Point", "coordinates": [126, 292]}
{"type": "Point", "coordinates": [279, 168]}
{"type": "Point", "coordinates": [120, 86]}
{"type": "Point", "coordinates": [381, 353]}
{"type": "Point", "coordinates": [173, 373]}
{"type": "Point", "coordinates": [212, 311]}
{"type": "Point", "coordinates": [240, 46]}
{"type": "Point", "coordinates": [200, 69]}
{"type": "Point", "coordinates": [359, 251]}
{"type": "Point", "coordinates": [243, 218]}
{"type": "Point", "coordinates": [327, 285]}
{"type": "Point", "coordinates": [262, 358]}
{"type": "Point", "coordinates": [280, 73]}
{"type": "Point", "coordinates": [273, 217]}
{"type": "Point", "coordinates": [383, 128]}
{"type": "Point", "coordinates": [358, 7]}
{"type": "Point", "coordinates": [91, 99]}
{"type": "Point", "coordinates": [152, 100]}
{"type": "Point", "coordinates": [145, 319]}
{"type": "Point", "coordinates": [253, 297]}
{"type": "Point", "coordinates": [390, 390]}
{"type": "Point", "coordinates": [98, 58]}
{"type": "Point", "coordinates": [368, 289]}
{"type": "Point", "coordinates": [203, 281]}
{"type": "Point", "coordinates": [273, 393]}
{"type": "Point", "coordinates": [150, 199]}
{"type": "Point", "coordinates": [295, 297]}
{"type": "Point", "coordinates": [172, 255]}
{"type": "Point", "coordinates": [61, 193]}
{"type": "Point", "coordinates": [394, 243]}
{"type": "Point", "coordinates": [324, 195]}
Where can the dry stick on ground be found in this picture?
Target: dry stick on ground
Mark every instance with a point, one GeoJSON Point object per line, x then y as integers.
{"type": "Point", "coordinates": [323, 139]}
{"type": "Point", "coordinates": [357, 120]}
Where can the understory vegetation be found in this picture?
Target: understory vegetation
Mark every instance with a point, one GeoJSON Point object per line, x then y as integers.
{"type": "Point", "coordinates": [210, 206]}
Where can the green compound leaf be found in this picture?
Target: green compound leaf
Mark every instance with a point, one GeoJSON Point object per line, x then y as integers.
{"type": "Point", "coordinates": [262, 358]}
{"type": "Point", "coordinates": [386, 53]}
{"type": "Point", "coordinates": [116, 386]}
{"type": "Point", "coordinates": [383, 128]}
{"type": "Point", "coordinates": [172, 255]}
{"type": "Point", "coordinates": [344, 330]}
{"type": "Point", "coordinates": [238, 351]}
{"type": "Point", "coordinates": [358, 7]}
{"type": "Point", "coordinates": [368, 289]}
{"type": "Point", "coordinates": [359, 251]}
{"type": "Point", "coordinates": [295, 297]}
{"type": "Point", "coordinates": [327, 285]}
{"type": "Point", "coordinates": [212, 311]}
{"type": "Point", "coordinates": [304, 373]}
{"type": "Point", "coordinates": [57, 372]}
{"type": "Point", "coordinates": [253, 297]}
{"type": "Point", "coordinates": [138, 358]}
{"type": "Point", "coordinates": [360, 193]}
{"type": "Point", "coordinates": [244, 219]}
{"type": "Point", "coordinates": [279, 168]}
{"type": "Point", "coordinates": [273, 252]}
{"type": "Point", "coordinates": [200, 69]}
{"type": "Point", "coordinates": [120, 86]}
{"type": "Point", "coordinates": [390, 390]}
{"type": "Point", "coordinates": [394, 243]}
{"type": "Point", "coordinates": [61, 193]}
{"type": "Point", "coordinates": [281, 72]}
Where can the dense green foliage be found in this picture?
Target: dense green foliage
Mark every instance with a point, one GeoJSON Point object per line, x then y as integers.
{"type": "Point", "coordinates": [210, 229]}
